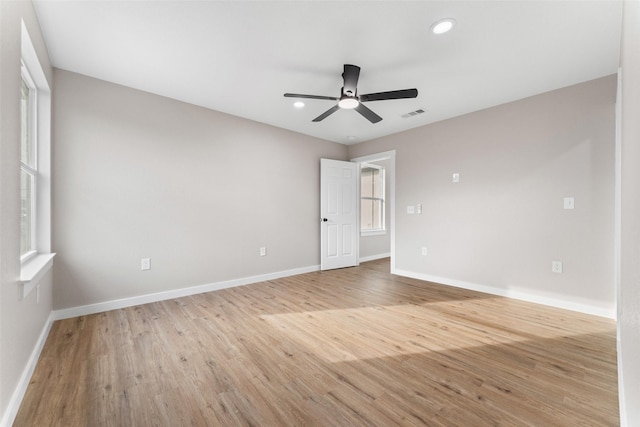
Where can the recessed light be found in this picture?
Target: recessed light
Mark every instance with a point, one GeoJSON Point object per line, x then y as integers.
{"type": "Point", "coordinates": [442, 26]}
{"type": "Point", "coordinates": [298, 104]}
{"type": "Point", "coordinates": [352, 137]}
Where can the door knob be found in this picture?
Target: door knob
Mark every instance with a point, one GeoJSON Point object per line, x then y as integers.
{"type": "Point", "coordinates": [324, 220]}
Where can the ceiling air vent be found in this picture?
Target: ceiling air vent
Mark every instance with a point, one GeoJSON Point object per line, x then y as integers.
{"type": "Point", "coordinates": [414, 113]}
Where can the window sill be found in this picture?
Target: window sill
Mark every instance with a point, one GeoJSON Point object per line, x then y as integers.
{"type": "Point", "coordinates": [373, 233]}
{"type": "Point", "coordinates": [32, 271]}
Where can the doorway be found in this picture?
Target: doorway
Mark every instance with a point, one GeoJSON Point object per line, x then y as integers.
{"type": "Point", "coordinates": [375, 243]}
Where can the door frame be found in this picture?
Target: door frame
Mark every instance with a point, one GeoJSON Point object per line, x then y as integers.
{"type": "Point", "coordinates": [391, 182]}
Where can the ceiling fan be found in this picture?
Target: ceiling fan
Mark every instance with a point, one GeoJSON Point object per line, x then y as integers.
{"type": "Point", "coordinates": [349, 98]}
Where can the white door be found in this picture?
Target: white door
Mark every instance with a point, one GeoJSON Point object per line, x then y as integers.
{"type": "Point", "coordinates": [338, 214]}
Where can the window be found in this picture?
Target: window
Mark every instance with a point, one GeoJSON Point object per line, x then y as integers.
{"type": "Point", "coordinates": [28, 166]}
{"type": "Point", "coordinates": [372, 199]}
{"type": "Point", "coordinates": [35, 169]}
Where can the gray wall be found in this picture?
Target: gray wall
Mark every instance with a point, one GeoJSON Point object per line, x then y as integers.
{"type": "Point", "coordinates": [21, 322]}
{"type": "Point", "coordinates": [629, 296]}
{"type": "Point", "coordinates": [503, 224]}
{"type": "Point", "coordinates": [199, 192]}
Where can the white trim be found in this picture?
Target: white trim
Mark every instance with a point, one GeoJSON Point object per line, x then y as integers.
{"type": "Point", "coordinates": [618, 247]}
{"type": "Point", "coordinates": [32, 271]}
{"type": "Point", "coordinates": [85, 310]}
{"type": "Point", "coordinates": [391, 180]}
{"type": "Point", "coordinates": [43, 202]}
{"type": "Point", "coordinates": [372, 158]}
{"type": "Point", "coordinates": [33, 267]}
{"type": "Point", "coordinates": [43, 150]}
{"type": "Point", "coordinates": [23, 383]}
{"type": "Point", "coordinates": [373, 233]}
{"type": "Point", "coordinates": [375, 257]}
{"type": "Point", "coordinates": [519, 295]}
{"type": "Point", "coordinates": [30, 166]}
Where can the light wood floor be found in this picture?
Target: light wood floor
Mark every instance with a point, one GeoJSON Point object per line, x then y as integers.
{"type": "Point", "coordinates": [349, 347]}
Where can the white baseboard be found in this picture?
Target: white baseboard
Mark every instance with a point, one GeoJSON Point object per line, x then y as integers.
{"type": "Point", "coordinates": [374, 257]}
{"type": "Point", "coordinates": [85, 310]}
{"type": "Point", "coordinates": [23, 383]}
{"type": "Point", "coordinates": [524, 296]}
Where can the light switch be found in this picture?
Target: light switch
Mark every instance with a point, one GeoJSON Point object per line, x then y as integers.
{"type": "Point", "coordinates": [419, 208]}
{"type": "Point", "coordinates": [455, 177]}
{"type": "Point", "coordinates": [569, 203]}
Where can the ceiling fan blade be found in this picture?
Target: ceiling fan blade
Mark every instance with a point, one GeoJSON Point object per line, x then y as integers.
{"type": "Point", "coordinates": [368, 114]}
{"type": "Point", "coordinates": [298, 95]}
{"type": "Point", "coordinates": [350, 76]}
{"type": "Point", "coordinates": [326, 114]}
{"type": "Point", "coordinates": [393, 94]}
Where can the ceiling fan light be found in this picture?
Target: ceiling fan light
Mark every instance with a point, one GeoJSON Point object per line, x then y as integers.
{"type": "Point", "coordinates": [442, 26]}
{"type": "Point", "coordinates": [348, 103]}
{"type": "Point", "coordinates": [298, 104]}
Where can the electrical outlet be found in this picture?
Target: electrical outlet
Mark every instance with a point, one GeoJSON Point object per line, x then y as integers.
{"type": "Point", "coordinates": [145, 264]}
{"type": "Point", "coordinates": [556, 266]}
{"type": "Point", "coordinates": [411, 210]}
{"type": "Point", "coordinates": [424, 251]}
{"type": "Point", "coordinates": [263, 251]}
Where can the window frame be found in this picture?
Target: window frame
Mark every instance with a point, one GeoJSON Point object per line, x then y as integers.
{"type": "Point", "coordinates": [30, 165]}
{"type": "Point", "coordinates": [37, 262]}
{"type": "Point", "coordinates": [382, 177]}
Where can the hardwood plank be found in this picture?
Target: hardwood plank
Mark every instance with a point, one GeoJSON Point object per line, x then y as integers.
{"type": "Point", "coordinates": [357, 347]}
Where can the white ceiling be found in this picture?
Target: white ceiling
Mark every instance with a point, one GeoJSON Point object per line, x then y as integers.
{"type": "Point", "coordinates": [240, 57]}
